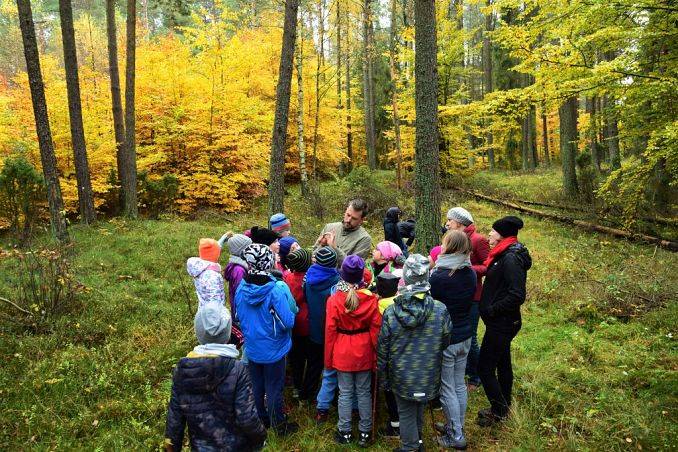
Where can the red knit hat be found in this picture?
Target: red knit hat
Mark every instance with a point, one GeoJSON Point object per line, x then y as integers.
{"type": "Point", "coordinates": [209, 250]}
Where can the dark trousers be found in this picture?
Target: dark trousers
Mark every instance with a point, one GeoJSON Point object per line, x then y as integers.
{"type": "Point", "coordinates": [391, 406]}
{"type": "Point", "coordinates": [315, 362]}
{"type": "Point", "coordinates": [268, 380]}
{"type": "Point", "coordinates": [495, 370]}
{"type": "Point", "coordinates": [299, 357]}
{"type": "Point", "coordinates": [474, 351]}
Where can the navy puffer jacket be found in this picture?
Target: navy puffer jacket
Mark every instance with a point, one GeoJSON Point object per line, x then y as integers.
{"type": "Point", "coordinates": [213, 396]}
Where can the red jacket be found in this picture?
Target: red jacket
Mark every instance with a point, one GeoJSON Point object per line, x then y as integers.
{"type": "Point", "coordinates": [351, 337]}
{"type": "Point", "coordinates": [294, 281]}
{"type": "Point", "coordinates": [480, 249]}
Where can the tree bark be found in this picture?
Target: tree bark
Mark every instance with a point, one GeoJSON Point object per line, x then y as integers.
{"type": "Point", "coordinates": [487, 79]}
{"type": "Point", "coordinates": [318, 75]}
{"type": "Point", "coordinates": [394, 95]}
{"type": "Point", "coordinates": [116, 100]}
{"type": "Point", "coordinates": [593, 132]}
{"type": "Point", "coordinates": [545, 137]}
{"type": "Point", "coordinates": [611, 131]}
{"type": "Point", "coordinates": [349, 131]}
{"type": "Point", "coordinates": [129, 183]}
{"type": "Point", "coordinates": [367, 87]}
{"type": "Point", "coordinates": [568, 144]}
{"type": "Point", "coordinates": [427, 158]}
{"type": "Point", "coordinates": [300, 116]}
{"type": "Point", "coordinates": [85, 196]}
{"type": "Point", "coordinates": [533, 135]}
{"type": "Point", "coordinates": [47, 157]}
{"type": "Point", "coordinates": [276, 184]}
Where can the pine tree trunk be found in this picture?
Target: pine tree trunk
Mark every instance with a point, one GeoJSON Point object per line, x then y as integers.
{"type": "Point", "coordinates": [318, 75]}
{"type": "Point", "coordinates": [593, 133]}
{"type": "Point", "coordinates": [367, 87]}
{"type": "Point", "coordinates": [394, 97]}
{"type": "Point", "coordinates": [611, 130]}
{"type": "Point", "coordinates": [427, 157]}
{"type": "Point", "coordinates": [524, 139]}
{"type": "Point", "coordinates": [533, 136]}
{"type": "Point", "coordinates": [568, 144]}
{"type": "Point", "coordinates": [276, 184]}
{"type": "Point", "coordinates": [349, 131]}
{"type": "Point", "coordinates": [116, 100]}
{"type": "Point", "coordinates": [129, 187]}
{"type": "Point", "coordinates": [545, 137]}
{"type": "Point", "coordinates": [47, 157]}
{"type": "Point", "coordinates": [487, 79]}
{"type": "Point", "coordinates": [85, 195]}
{"type": "Point", "coordinates": [300, 116]}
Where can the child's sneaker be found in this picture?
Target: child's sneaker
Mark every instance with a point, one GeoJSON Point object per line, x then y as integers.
{"type": "Point", "coordinates": [448, 442]}
{"type": "Point", "coordinates": [343, 437]}
{"type": "Point", "coordinates": [321, 416]}
{"type": "Point", "coordinates": [365, 439]}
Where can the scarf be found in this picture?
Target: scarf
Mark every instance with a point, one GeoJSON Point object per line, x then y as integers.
{"type": "Point", "coordinates": [237, 260]}
{"type": "Point", "coordinates": [343, 286]}
{"type": "Point", "coordinates": [499, 248]}
{"type": "Point", "coordinates": [227, 350]}
{"type": "Point", "coordinates": [453, 261]}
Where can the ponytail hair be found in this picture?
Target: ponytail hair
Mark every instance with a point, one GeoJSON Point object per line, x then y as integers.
{"type": "Point", "coordinates": [352, 300]}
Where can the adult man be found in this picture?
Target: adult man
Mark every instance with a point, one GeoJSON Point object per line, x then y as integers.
{"type": "Point", "coordinates": [348, 236]}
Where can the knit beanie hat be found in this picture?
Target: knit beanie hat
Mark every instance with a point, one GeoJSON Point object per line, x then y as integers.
{"type": "Point", "coordinates": [213, 324]}
{"type": "Point", "coordinates": [460, 215]}
{"type": "Point", "coordinates": [326, 257]}
{"type": "Point", "coordinates": [209, 250]}
{"type": "Point", "coordinates": [508, 226]}
{"type": "Point", "coordinates": [299, 260]}
{"type": "Point", "coordinates": [263, 236]}
{"type": "Point", "coordinates": [279, 222]}
{"type": "Point", "coordinates": [416, 269]}
{"type": "Point", "coordinates": [352, 269]}
{"type": "Point", "coordinates": [285, 245]}
{"type": "Point", "coordinates": [237, 243]}
{"type": "Point", "coordinates": [387, 284]}
{"type": "Point", "coordinates": [259, 258]}
{"type": "Point", "coordinates": [389, 250]}
{"type": "Point", "coordinates": [435, 252]}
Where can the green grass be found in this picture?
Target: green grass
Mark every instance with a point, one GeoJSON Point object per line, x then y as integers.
{"type": "Point", "coordinates": [584, 378]}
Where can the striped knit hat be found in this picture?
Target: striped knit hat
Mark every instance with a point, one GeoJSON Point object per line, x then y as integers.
{"type": "Point", "coordinates": [299, 260]}
{"type": "Point", "coordinates": [326, 257]}
{"type": "Point", "coordinates": [279, 222]}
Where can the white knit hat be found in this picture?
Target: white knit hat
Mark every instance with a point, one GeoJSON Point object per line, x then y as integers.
{"type": "Point", "coordinates": [460, 215]}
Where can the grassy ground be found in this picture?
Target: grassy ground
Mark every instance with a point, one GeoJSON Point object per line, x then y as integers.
{"type": "Point", "coordinates": [595, 363]}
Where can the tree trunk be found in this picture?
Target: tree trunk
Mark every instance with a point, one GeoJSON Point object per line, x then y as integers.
{"type": "Point", "coordinates": [349, 131]}
{"type": "Point", "coordinates": [568, 144]}
{"type": "Point", "coordinates": [367, 87]}
{"type": "Point", "coordinates": [611, 130]}
{"type": "Point", "coordinates": [116, 100]}
{"type": "Point", "coordinates": [47, 157]}
{"type": "Point", "coordinates": [85, 196]}
{"type": "Point", "coordinates": [318, 75]}
{"type": "Point", "coordinates": [487, 79]}
{"type": "Point", "coordinates": [338, 24]}
{"type": "Point", "coordinates": [427, 158]}
{"type": "Point", "coordinates": [129, 183]}
{"type": "Point", "coordinates": [300, 116]}
{"type": "Point", "coordinates": [524, 148]}
{"type": "Point", "coordinates": [276, 184]}
{"type": "Point", "coordinates": [394, 97]}
{"type": "Point", "coordinates": [533, 135]}
{"type": "Point", "coordinates": [545, 137]}
{"type": "Point", "coordinates": [593, 132]}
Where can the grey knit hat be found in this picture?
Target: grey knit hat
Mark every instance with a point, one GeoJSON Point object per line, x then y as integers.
{"type": "Point", "coordinates": [237, 244]}
{"type": "Point", "coordinates": [416, 269]}
{"type": "Point", "coordinates": [326, 257]}
{"type": "Point", "coordinates": [460, 215]}
{"type": "Point", "coordinates": [213, 324]}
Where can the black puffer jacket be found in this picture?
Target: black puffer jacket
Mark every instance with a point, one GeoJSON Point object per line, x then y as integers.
{"type": "Point", "coordinates": [391, 231]}
{"type": "Point", "coordinates": [504, 290]}
{"type": "Point", "coordinates": [213, 395]}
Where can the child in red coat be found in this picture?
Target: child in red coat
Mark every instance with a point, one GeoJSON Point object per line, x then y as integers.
{"type": "Point", "coordinates": [352, 326]}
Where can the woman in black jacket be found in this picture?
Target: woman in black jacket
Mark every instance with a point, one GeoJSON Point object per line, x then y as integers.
{"type": "Point", "coordinates": [503, 293]}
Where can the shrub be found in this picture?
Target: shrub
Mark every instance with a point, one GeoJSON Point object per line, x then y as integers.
{"type": "Point", "coordinates": [364, 183]}
{"type": "Point", "coordinates": [157, 195]}
{"type": "Point", "coordinates": [21, 189]}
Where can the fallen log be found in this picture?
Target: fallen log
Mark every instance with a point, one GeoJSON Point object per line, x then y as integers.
{"type": "Point", "coordinates": [664, 243]}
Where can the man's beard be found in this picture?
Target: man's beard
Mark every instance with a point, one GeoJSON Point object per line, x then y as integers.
{"type": "Point", "coordinates": [348, 227]}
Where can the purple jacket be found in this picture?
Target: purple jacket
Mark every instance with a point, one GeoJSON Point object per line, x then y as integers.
{"type": "Point", "coordinates": [234, 272]}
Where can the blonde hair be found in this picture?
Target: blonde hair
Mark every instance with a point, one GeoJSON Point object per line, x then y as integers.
{"type": "Point", "coordinates": [456, 242]}
{"type": "Point", "coordinates": [352, 300]}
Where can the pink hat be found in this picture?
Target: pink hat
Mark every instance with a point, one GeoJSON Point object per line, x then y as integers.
{"type": "Point", "coordinates": [389, 250]}
{"type": "Point", "coordinates": [435, 252]}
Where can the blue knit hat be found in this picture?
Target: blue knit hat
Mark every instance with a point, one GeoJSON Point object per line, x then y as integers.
{"type": "Point", "coordinates": [279, 222]}
{"type": "Point", "coordinates": [326, 257]}
{"type": "Point", "coordinates": [285, 245]}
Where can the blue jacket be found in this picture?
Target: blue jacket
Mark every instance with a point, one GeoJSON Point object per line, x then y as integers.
{"type": "Point", "coordinates": [213, 397]}
{"type": "Point", "coordinates": [318, 287]}
{"type": "Point", "coordinates": [266, 319]}
{"type": "Point", "coordinates": [455, 290]}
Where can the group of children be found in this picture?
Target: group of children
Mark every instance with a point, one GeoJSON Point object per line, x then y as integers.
{"type": "Point", "coordinates": [334, 325]}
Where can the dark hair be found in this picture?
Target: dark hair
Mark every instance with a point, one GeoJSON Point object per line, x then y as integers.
{"type": "Point", "coordinates": [360, 205]}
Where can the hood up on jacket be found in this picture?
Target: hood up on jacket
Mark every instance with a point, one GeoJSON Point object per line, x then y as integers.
{"type": "Point", "coordinates": [254, 294]}
{"type": "Point", "coordinates": [392, 214]}
{"type": "Point", "coordinates": [411, 310]}
{"type": "Point", "coordinates": [317, 275]}
{"type": "Point", "coordinates": [207, 279]}
{"type": "Point", "coordinates": [195, 266]}
{"type": "Point", "coordinates": [522, 254]}
{"type": "Point", "coordinates": [202, 375]}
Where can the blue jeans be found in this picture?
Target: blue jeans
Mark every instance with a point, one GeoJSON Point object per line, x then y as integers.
{"type": "Point", "coordinates": [328, 388]}
{"type": "Point", "coordinates": [269, 380]}
{"type": "Point", "coordinates": [453, 395]}
{"type": "Point", "coordinates": [474, 351]}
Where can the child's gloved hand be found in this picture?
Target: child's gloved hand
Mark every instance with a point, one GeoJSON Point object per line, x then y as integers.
{"type": "Point", "coordinates": [224, 238]}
